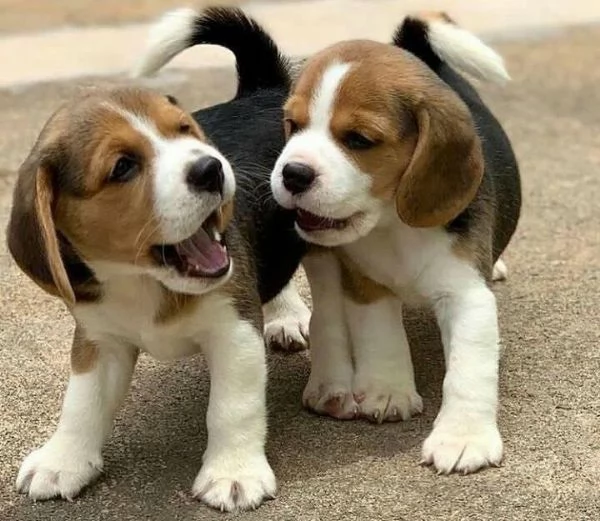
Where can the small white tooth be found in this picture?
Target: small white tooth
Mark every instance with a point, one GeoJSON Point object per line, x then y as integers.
{"type": "Point", "coordinates": [210, 231]}
{"type": "Point", "coordinates": [217, 236]}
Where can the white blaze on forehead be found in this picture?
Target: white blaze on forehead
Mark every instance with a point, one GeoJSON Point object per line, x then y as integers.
{"type": "Point", "coordinates": [321, 104]}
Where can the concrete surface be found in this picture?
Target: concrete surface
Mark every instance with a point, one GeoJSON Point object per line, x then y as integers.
{"type": "Point", "coordinates": [300, 28]}
{"type": "Point", "coordinates": [328, 470]}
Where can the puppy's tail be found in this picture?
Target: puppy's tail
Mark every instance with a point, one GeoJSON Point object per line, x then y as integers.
{"type": "Point", "coordinates": [435, 38]}
{"type": "Point", "coordinates": [259, 63]}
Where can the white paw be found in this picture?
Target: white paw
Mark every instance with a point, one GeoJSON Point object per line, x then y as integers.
{"type": "Point", "coordinates": [330, 399]}
{"type": "Point", "coordinates": [235, 485]}
{"type": "Point", "coordinates": [288, 332]}
{"type": "Point", "coordinates": [58, 469]}
{"type": "Point", "coordinates": [499, 271]}
{"type": "Point", "coordinates": [387, 403]}
{"type": "Point", "coordinates": [463, 445]}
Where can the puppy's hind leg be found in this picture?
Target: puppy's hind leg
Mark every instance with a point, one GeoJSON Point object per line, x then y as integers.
{"type": "Point", "coordinates": [286, 320]}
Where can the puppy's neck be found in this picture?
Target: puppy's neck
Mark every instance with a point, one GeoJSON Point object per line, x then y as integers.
{"type": "Point", "coordinates": [125, 283]}
{"type": "Point", "coordinates": [126, 289]}
{"type": "Point", "coordinates": [389, 222]}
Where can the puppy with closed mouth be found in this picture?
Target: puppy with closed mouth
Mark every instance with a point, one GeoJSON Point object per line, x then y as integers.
{"type": "Point", "coordinates": [409, 188]}
{"type": "Point", "coordinates": [130, 214]}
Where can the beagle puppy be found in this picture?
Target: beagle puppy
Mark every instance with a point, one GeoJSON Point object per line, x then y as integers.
{"type": "Point", "coordinates": [409, 189]}
{"type": "Point", "coordinates": [127, 211]}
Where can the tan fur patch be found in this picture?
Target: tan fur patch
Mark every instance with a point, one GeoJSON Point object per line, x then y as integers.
{"type": "Point", "coordinates": [357, 286]}
{"type": "Point", "coordinates": [224, 216]}
{"type": "Point", "coordinates": [84, 353]}
{"type": "Point", "coordinates": [93, 226]}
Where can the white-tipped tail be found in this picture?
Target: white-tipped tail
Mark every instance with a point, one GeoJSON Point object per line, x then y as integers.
{"type": "Point", "coordinates": [500, 271]}
{"type": "Point", "coordinates": [169, 36]}
{"type": "Point", "coordinates": [464, 51]}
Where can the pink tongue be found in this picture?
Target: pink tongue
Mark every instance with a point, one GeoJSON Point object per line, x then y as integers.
{"type": "Point", "coordinates": [203, 254]}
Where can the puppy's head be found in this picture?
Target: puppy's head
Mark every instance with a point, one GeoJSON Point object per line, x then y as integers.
{"type": "Point", "coordinates": [369, 126]}
{"type": "Point", "coordinates": [122, 182]}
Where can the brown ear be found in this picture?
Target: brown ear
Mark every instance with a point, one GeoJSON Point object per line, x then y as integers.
{"type": "Point", "coordinates": [32, 237]}
{"type": "Point", "coordinates": [446, 168]}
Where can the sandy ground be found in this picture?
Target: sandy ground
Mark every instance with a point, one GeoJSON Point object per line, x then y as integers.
{"type": "Point", "coordinates": [328, 470]}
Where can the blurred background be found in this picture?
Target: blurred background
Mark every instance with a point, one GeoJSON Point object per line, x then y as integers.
{"type": "Point", "coordinates": [327, 470]}
{"type": "Point", "coordinates": [51, 39]}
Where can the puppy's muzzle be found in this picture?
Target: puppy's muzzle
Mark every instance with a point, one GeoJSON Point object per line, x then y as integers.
{"type": "Point", "coordinates": [297, 177]}
{"type": "Point", "coordinates": [206, 175]}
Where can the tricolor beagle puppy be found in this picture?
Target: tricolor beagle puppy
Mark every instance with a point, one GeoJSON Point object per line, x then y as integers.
{"type": "Point", "coordinates": [405, 180]}
{"type": "Point", "coordinates": [126, 211]}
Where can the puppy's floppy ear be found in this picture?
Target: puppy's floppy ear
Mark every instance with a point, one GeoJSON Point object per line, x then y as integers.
{"type": "Point", "coordinates": [33, 240]}
{"type": "Point", "coordinates": [447, 164]}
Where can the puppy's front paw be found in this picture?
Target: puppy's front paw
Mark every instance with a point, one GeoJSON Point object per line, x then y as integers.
{"type": "Point", "coordinates": [58, 469]}
{"type": "Point", "coordinates": [463, 445]}
{"type": "Point", "coordinates": [235, 485]}
{"type": "Point", "coordinates": [387, 403]}
{"type": "Point", "coordinates": [330, 399]}
{"type": "Point", "coordinates": [288, 332]}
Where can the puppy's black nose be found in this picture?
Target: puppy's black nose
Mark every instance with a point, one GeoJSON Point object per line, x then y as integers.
{"type": "Point", "coordinates": [297, 177]}
{"type": "Point", "coordinates": [206, 175]}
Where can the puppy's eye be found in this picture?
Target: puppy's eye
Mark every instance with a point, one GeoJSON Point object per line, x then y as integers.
{"type": "Point", "coordinates": [291, 127]}
{"type": "Point", "coordinates": [185, 128]}
{"type": "Point", "coordinates": [356, 141]}
{"type": "Point", "coordinates": [125, 169]}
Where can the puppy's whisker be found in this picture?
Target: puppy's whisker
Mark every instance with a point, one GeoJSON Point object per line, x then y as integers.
{"type": "Point", "coordinates": [139, 242]}
{"type": "Point", "coordinates": [142, 229]}
{"type": "Point", "coordinates": [162, 254]}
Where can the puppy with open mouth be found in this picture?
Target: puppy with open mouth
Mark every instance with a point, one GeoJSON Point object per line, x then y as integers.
{"type": "Point", "coordinates": [396, 165]}
{"type": "Point", "coordinates": [126, 211]}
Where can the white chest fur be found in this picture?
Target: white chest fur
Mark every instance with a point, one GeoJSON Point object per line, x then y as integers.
{"type": "Point", "coordinates": [416, 263]}
{"type": "Point", "coordinates": [128, 311]}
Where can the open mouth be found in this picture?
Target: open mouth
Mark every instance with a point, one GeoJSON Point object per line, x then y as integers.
{"type": "Point", "coordinates": [204, 254]}
{"type": "Point", "coordinates": [311, 222]}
